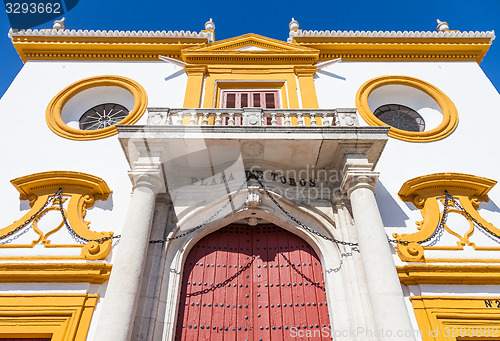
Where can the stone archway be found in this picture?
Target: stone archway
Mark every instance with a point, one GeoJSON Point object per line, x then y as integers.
{"type": "Point", "coordinates": [273, 287]}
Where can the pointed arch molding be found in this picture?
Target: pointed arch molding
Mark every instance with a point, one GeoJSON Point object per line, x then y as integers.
{"type": "Point", "coordinates": [80, 190]}
{"type": "Point", "coordinates": [330, 255]}
{"type": "Point", "coordinates": [425, 192]}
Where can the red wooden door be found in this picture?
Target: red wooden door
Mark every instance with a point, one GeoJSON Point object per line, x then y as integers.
{"type": "Point", "coordinates": [252, 283]}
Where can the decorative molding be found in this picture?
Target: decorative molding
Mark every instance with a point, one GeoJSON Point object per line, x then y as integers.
{"type": "Point", "coordinates": [104, 33]}
{"type": "Point", "coordinates": [358, 178]}
{"type": "Point", "coordinates": [445, 128]}
{"type": "Point", "coordinates": [228, 52]}
{"type": "Point", "coordinates": [347, 117]}
{"type": "Point", "coordinates": [254, 198]}
{"type": "Point", "coordinates": [195, 70]}
{"type": "Point", "coordinates": [450, 318]}
{"type": "Point", "coordinates": [82, 189]}
{"type": "Point", "coordinates": [424, 192]}
{"type": "Point", "coordinates": [414, 190]}
{"type": "Point", "coordinates": [305, 70]}
{"type": "Point", "coordinates": [416, 274]}
{"type": "Point", "coordinates": [396, 46]}
{"type": "Point", "coordinates": [248, 79]}
{"type": "Point", "coordinates": [56, 105]}
{"type": "Point", "coordinates": [393, 34]}
{"type": "Point", "coordinates": [103, 45]}
{"type": "Point", "coordinates": [95, 273]}
{"type": "Point", "coordinates": [58, 317]}
{"type": "Point", "coordinates": [357, 171]}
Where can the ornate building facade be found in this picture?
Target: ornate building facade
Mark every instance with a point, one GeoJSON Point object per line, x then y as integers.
{"type": "Point", "coordinates": [169, 186]}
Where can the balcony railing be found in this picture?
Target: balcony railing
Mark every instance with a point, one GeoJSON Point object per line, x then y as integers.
{"type": "Point", "coordinates": [341, 117]}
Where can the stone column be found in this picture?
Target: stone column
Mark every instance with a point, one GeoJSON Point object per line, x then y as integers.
{"type": "Point", "coordinates": [120, 303]}
{"type": "Point", "coordinates": [384, 289]}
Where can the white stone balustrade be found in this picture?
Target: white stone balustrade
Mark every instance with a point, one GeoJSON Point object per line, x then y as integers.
{"type": "Point", "coordinates": [340, 117]}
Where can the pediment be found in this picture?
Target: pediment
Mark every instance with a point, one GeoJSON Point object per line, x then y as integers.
{"type": "Point", "coordinates": [250, 47]}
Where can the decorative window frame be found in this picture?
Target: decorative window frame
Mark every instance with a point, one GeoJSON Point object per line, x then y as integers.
{"type": "Point", "coordinates": [54, 109]}
{"type": "Point", "coordinates": [59, 317]}
{"type": "Point", "coordinates": [83, 190]}
{"type": "Point", "coordinates": [424, 192]}
{"type": "Point", "coordinates": [457, 318]}
{"type": "Point", "coordinates": [445, 128]}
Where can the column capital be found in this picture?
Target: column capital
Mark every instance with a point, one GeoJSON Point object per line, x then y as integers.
{"type": "Point", "coordinates": [147, 174]}
{"type": "Point", "coordinates": [195, 70]}
{"type": "Point", "coordinates": [356, 177]}
{"type": "Point", "coordinates": [305, 70]}
{"type": "Point", "coordinates": [149, 179]}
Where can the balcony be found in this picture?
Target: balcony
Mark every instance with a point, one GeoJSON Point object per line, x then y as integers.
{"type": "Point", "coordinates": [342, 117]}
{"type": "Point", "coordinates": [195, 146]}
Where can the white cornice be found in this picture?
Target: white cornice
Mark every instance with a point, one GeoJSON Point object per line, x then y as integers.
{"type": "Point", "coordinates": [393, 34]}
{"type": "Point", "coordinates": [99, 33]}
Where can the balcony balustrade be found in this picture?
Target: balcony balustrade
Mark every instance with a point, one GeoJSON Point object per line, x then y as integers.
{"type": "Point", "coordinates": [340, 117]}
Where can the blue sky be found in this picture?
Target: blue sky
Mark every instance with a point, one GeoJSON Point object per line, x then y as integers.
{"type": "Point", "coordinates": [271, 18]}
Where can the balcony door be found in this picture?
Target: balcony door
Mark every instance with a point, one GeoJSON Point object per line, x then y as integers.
{"type": "Point", "coordinates": [266, 99]}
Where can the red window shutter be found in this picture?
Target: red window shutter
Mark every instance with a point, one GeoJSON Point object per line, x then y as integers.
{"type": "Point", "coordinates": [259, 98]}
{"type": "Point", "coordinates": [256, 100]}
{"type": "Point", "coordinates": [270, 102]}
{"type": "Point", "coordinates": [244, 100]}
{"type": "Point", "coordinates": [230, 100]}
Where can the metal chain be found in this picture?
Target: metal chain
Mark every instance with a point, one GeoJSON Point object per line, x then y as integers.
{"type": "Point", "coordinates": [469, 216]}
{"type": "Point", "coordinates": [438, 228]}
{"type": "Point", "coordinates": [222, 284]}
{"type": "Point", "coordinates": [298, 222]}
{"type": "Point", "coordinates": [205, 222]}
{"type": "Point", "coordinates": [73, 233]}
{"type": "Point", "coordinates": [316, 284]}
{"type": "Point", "coordinates": [342, 256]}
{"type": "Point", "coordinates": [30, 219]}
{"type": "Point", "coordinates": [448, 197]}
{"type": "Point", "coordinates": [16, 237]}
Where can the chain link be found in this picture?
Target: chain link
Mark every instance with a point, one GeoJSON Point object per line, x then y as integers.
{"type": "Point", "coordinates": [457, 204]}
{"type": "Point", "coordinates": [222, 284]}
{"type": "Point", "coordinates": [30, 219]}
{"type": "Point", "coordinates": [73, 233]}
{"type": "Point", "coordinates": [448, 197]}
{"type": "Point", "coordinates": [205, 222]}
{"type": "Point", "coordinates": [342, 256]}
{"type": "Point", "coordinates": [16, 237]}
{"type": "Point", "coordinates": [438, 228]}
{"type": "Point", "coordinates": [298, 222]}
{"type": "Point", "coordinates": [316, 284]}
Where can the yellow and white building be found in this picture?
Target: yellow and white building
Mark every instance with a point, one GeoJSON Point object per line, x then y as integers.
{"type": "Point", "coordinates": [125, 151]}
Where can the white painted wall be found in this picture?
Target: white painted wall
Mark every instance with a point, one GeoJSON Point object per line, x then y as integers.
{"type": "Point", "coordinates": [31, 147]}
{"type": "Point", "coordinates": [469, 149]}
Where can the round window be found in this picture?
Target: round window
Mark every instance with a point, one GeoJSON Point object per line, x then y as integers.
{"type": "Point", "coordinates": [401, 117]}
{"type": "Point", "coordinates": [90, 108]}
{"type": "Point", "coordinates": [102, 116]}
{"type": "Point", "coordinates": [407, 124]}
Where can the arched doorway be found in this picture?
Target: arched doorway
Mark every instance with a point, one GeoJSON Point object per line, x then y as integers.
{"type": "Point", "coordinates": [252, 283]}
